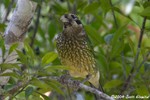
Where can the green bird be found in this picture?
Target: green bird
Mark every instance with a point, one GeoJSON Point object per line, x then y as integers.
{"type": "Point", "coordinates": [74, 50]}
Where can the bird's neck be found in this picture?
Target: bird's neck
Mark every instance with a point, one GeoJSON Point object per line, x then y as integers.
{"type": "Point", "coordinates": [72, 31]}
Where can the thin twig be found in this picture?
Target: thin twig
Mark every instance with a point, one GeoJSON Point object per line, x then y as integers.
{"type": "Point", "coordinates": [36, 25]}
{"type": "Point", "coordinates": [128, 81]}
{"type": "Point", "coordinates": [16, 88]}
{"type": "Point", "coordinates": [116, 24]}
{"type": "Point", "coordinates": [8, 11]}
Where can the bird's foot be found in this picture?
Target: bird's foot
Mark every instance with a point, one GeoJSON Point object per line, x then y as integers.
{"type": "Point", "coordinates": [64, 78]}
{"type": "Point", "coordinates": [87, 78]}
{"type": "Point", "coordinates": [68, 81]}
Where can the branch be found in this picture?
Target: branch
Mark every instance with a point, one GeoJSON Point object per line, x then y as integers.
{"type": "Point", "coordinates": [36, 25]}
{"type": "Point", "coordinates": [102, 95]}
{"type": "Point", "coordinates": [128, 80]}
{"type": "Point", "coordinates": [19, 21]}
{"type": "Point", "coordinates": [76, 85]}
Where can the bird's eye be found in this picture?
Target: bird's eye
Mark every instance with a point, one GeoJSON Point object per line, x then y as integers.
{"type": "Point", "coordinates": [65, 16]}
{"type": "Point", "coordinates": [73, 16]}
{"type": "Point", "coordinates": [78, 22]}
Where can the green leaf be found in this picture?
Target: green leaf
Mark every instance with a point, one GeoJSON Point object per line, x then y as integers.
{"type": "Point", "coordinates": [52, 29]}
{"type": "Point", "coordinates": [28, 92]}
{"type": "Point", "coordinates": [146, 12]}
{"type": "Point", "coordinates": [126, 16]}
{"type": "Point", "coordinates": [112, 84]}
{"type": "Point", "coordinates": [58, 8]}
{"type": "Point", "coordinates": [29, 50]}
{"type": "Point", "coordinates": [105, 5]}
{"type": "Point", "coordinates": [117, 35]}
{"type": "Point", "coordinates": [8, 66]}
{"type": "Point", "coordinates": [40, 84]}
{"type": "Point", "coordinates": [13, 47]}
{"type": "Point", "coordinates": [146, 4]}
{"type": "Point", "coordinates": [131, 44]}
{"type": "Point", "coordinates": [49, 57]}
{"type": "Point", "coordinates": [117, 48]}
{"type": "Point", "coordinates": [2, 46]}
{"type": "Point", "coordinates": [91, 7]}
{"type": "Point", "coordinates": [81, 4]}
{"type": "Point", "coordinates": [94, 34]}
{"type": "Point", "coordinates": [56, 86]}
{"type": "Point", "coordinates": [103, 61]}
{"type": "Point", "coordinates": [117, 42]}
{"type": "Point", "coordinates": [23, 58]}
{"type": "Point", "coordinates": [11, 74]}
{"type": "Point", "coordinates": [2, 27]}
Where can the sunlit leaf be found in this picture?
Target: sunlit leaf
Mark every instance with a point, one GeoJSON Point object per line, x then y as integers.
{"type": "Point", "coordinates": [49, 57]}
{"type": "Point", "coordinates": [112, 84]}
{"type": "Point", "coordinates": [8, 66]}
{"type": "Point", "coordinates": [13, 47]}
{"type": "Point", "coordinates": [29, 50]}
{"type": "Point", "coordinates": [22, 57]}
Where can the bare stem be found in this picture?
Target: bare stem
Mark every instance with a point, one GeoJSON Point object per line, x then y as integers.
{"type": "Point", "coordinates": [128, 80]}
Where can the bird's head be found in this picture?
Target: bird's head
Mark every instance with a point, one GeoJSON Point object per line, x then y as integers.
{"type": "Point", "coordinates": [71, 22]}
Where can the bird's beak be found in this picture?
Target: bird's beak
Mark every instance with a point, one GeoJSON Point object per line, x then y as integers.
{"type": "Point", "coordinates": [63, 19]}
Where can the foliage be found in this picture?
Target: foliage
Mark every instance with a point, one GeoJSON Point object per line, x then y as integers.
{"type": "Point", "coordinates": [115, 45]}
